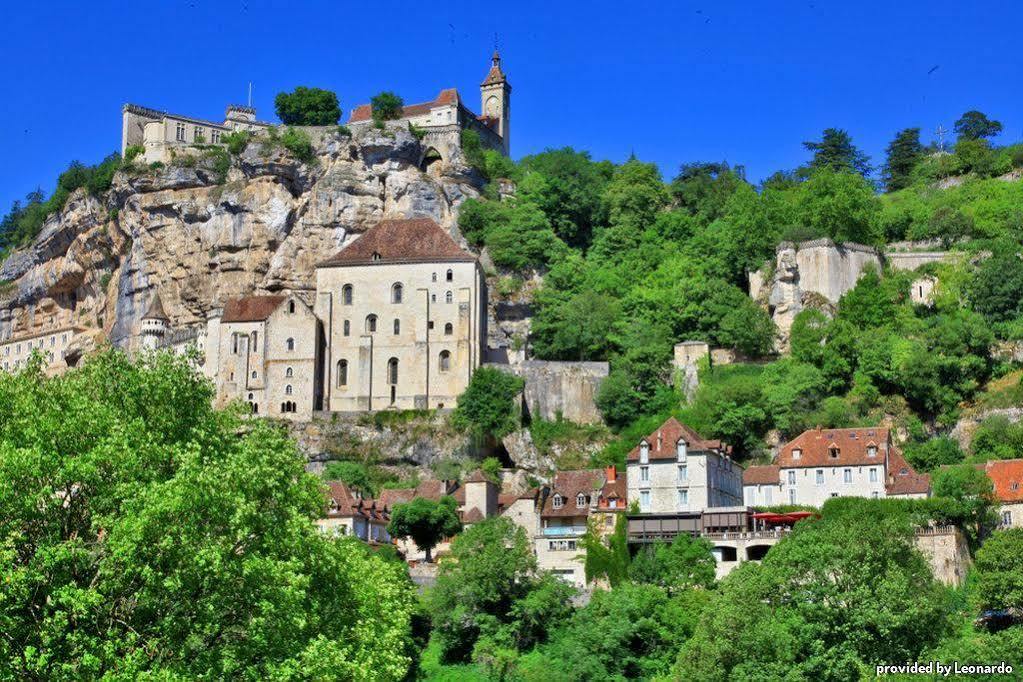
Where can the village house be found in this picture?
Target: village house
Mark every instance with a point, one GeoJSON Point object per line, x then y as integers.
{"type": "Point", "coordinates": [265, 351]}
{"type": "Point", "coordinates": [348, 513]}
{"type": "Point", "coordinates": [404, 313]}
{"type": "Point", "coordinates": [823, 463]}
{"type": "Point", "coordinates": [675, 470]}
{"type": "Point", "coordinates": [1007, 478]}
{"type": "Point", "coordinates": [16, 350]}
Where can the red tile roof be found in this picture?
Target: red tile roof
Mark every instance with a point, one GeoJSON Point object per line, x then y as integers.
{"type": "Point", "coordinates": [852, 445]}
{"type": "Point", "coordinates": [1007, 477]}
{"type": "Point", "coordinates": [902, 479]}
{"type": "Point", "coordinates": [664, 441]}
{"type": "Point", "coordinates": [411, 240]}
{"type": "Point", "coordinates": [251, 308]}
{"type": "Point", "coordinates": [431, 490]}
{"type": "Point", "coordinates": [761, 475]}
{"type": "Point", "coordinates": [364, 112]}
{"type": "Point", "coordinates": [343, 503]}
{"type": "Point", "coordinates": [569, 484]}
{"type": "Point", "coordinates": [495, 75]}
{"type": "Point", "coordinates": [474, 515]}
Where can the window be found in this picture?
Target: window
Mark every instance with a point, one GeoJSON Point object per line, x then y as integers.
{"type": "Point", "coordinates": [396, 293]}
{"type": "Point", "coordinates": [792, 496]}
{"type": "Point", "coordinates": [834, 494]}
{"type": "Point", "coordinates": [287, 390]}
{"type": "Point", "coordinates": [874, 495]}
{"type": "Point", "coordinates": [397, 327]}
{"type": "Point", "coordinates": [346, 294]}
{"type": "Point", "coordinates": [449, 329]}
{"type": "Point", "coordinates": [429, 324]}
{"type": "Point", "coordinates": [253, 374]}
{"type": "Point", "coordinates": [445, 361]}
{"type": "Point", "coordinates": [291, 307]}
{"type": "Point", "coordinates": [253, 338]}
{"type": "Point", "coordinates": [644, 500]}
{"type": "Point", "coordinates": [681, 450]}
{"type": "Point", "coordinates": [288, 373]}
{"type": "Point", "coordinates": [451, 276]}
{"type": "Point", "coordinates": [290, 344]}
{"type": "Point", "coordinates": [448, 297]}
{"type": "Point", "coordinates": [215, 136]}
{"type": "Point", "coordinates": [433, 298]}
{"type": "Point", "coordinates": [683, 498]}
{"type": "Point", "coordinates": [179, 132]}
{"type": "Point", "coordinates": [797, 453]}
{"type": "Point", "coordinates": [433, 277]}
{"type": "Point", "coordinates": [347, 328]}
{"type": "Point", "coordinates": [1006, 518]}
{"type": "Point", "coordinates": [871, 451]}
{"type": "Point", "coordinates": [792, 478]}
{"type": "Point", "coordinates": [557, 502]}
{"type": "Point", "coordinates": [847, 475]}
{"type": "Point", "coordinates": [377, 256]}
{"type": "Point", "coordinates": [392, 371]}
{"type": "Point", "coordinates": [873, 475]}
{"type": "Point", "coordinates": [580, 500]}
{"type": "Point", "coordinates": [342, 373]}
{"type": "Point", "coordinates": [197, 134]}
{"type": "Point", "coordinates": [561, 545]}
{"type": "Point", "coordinates": [644, 452]}
{"type": "Point", "coordinates": [644, 474]}
{"type": "Point", "coordinates": [371, 324]}
{"type": "Point", "coordinates": [833, 452]}
{"type": "Point", "coordinates": [683, 473]}
{"type": "Point", "coordinates": [820, 477]}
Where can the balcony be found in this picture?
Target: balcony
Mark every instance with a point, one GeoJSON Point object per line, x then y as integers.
{"type": "Point", "coordinates": [563, 531]}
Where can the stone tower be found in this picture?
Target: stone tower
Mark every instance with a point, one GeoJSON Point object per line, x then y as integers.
{"type": "Point", "coordinates": [495, 96]}
{"type": "Point", "coordinates": [155, 324]}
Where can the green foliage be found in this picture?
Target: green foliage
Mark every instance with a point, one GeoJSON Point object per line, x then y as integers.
{"type": "Point", "coordinates": [974, 125]}
{"type": "Point", "coordinates": [903, 153]}
{"type": "Point", "coordinates": [968, 497]}
{"type": "Point", "coordinates": [355, 474]}
{"type": "Point", "coordinates": [517, 233]}
{"type": "Point", "coordinates": [178, 543]}
{"type": "Point", "coordinates": [997, 438]}
{"type": "Point", "coordinates": [386, 106]}
{"type": "Point", "coordinates": [997, 288]}
{"type": "Point", "coordinates": [567, 185]}
{"type": "Point", "coordinates": [416, 131]}
{"type": "Point", "coordinates": [682, 565]}
{"type": "Point", "coordinates": [999, 570]}
{"type": "Point", "coordinates": [836, 152]}
{"type": "Point", "coordinates": [606, 560]}
{"type": "Point", "coordinates": [839, 205]}
{"type": "Point", "coordinates": [934, 453]}
{"type": "Point", "coordinates": [344, 131]}
{"type": "Point", "coordinates": [491, 468]}
{"type": "Point", "coordinates": [298, 143]}
{"type": "Point", "coordinates": [236, 141]}
{"type": "Point", "coordinates": [487, 408]}
{"type": "Point", "coordinates": [425, 521]}
{"type": "Point", "coordinates": [132, 152]}
{"type": "Point", "coordinates": [307, 107]}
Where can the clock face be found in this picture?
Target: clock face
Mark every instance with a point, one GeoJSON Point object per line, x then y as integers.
{"type": "Point", "coordinates": [493, 107]}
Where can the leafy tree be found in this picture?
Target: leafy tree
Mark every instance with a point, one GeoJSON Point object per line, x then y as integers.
{"type": "Point", "coordinates": [570, 192]}
{"type": "Point", "coordinates": [836, 152]}
{"type": "Point", "coordinates": [934, 453]}
{"type": "Point", "coordinates": [839, 205]}
{"type": "Point", "coordinates": [425, 521]}
{"type": "Point", "coordinates": [354, 474]}
{"type": "Point", "coordinates": [578, 328]}
{"type": "Point", "coordinates": [145, 535]}
{"type": "Point", "coordinates": [487, 408]}
{"type": "Point", "coordinates": [517, 234]}
{"type": "Point", "coordinates": [997, 438]}
{"type": "Point", "coordinates": [791, 390]}
{"type": "Point", "coordinates": [974, 125]}
{"type": "Point", "coordinates": [970, 497]}
{"type": "Point", "coordinates": [684, 564]}
{"type": "Point", "coordinates": [807, 336]}
{"type": "Point", "coordinates": [997, 290]}
{"type": "Point", "coordinates": [903, 153]}
{"type": "Point", "coordinates": [999, 568]}
{"type": "Point", "coordinates": [606, 559]}
{"type": "Point", "coordinates": [703, 189]}
{"type": "Point", "coordinates": [308, 107]}
{"type": "Point", "coordinates": [386, 106]}
{"type": "Point", "coordinates": [632, 200]}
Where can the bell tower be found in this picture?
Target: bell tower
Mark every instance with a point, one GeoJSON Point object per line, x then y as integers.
{"type": "Point", "coordinates": [495, 97]}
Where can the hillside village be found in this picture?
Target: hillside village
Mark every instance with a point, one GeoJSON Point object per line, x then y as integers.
{"type": "Point", "coordinates": [366, 278]}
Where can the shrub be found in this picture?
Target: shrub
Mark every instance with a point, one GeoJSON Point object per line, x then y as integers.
{"type": "Point", "coordinates": [133, 151]}
{"type": "Point", "coordinates": [416, 131]}
{"type": "Point", "coordinates": [487, 407]}
{"type": "Point", "coordinates": [237, 141]}
{"type": "Point", "coordinates": [308, 107]}
{"type": "Point", "coordinates": [344, 131]}
{"type": "Point", "coordinates": [386, 106]}
{"type": "Point", "coordinates": [297, 142]}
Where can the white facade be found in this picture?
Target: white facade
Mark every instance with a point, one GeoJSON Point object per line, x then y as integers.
{"type": "Point", "coordinates": [16, 351]}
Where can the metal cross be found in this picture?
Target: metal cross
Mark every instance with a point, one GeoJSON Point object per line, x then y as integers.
{"type": "Point", "coordinates": [941, 132]}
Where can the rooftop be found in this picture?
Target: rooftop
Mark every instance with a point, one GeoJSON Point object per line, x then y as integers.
{"type": "Point", "coordinates": [761, 475]}
{"type": "Point", "coordinates": [1007, 477]}
{"type": "Point", "coordinates": [835, 447]}
{"type": "Point", "coordinates": [408, 240]}
{"type": "Point", "coordinates": [251, 308]}
{"type": "Point", "coordinates": [664, 441]}
{"type": "Point", "coordinates": [447, 97]}
{"type": "Point", "coordinates": [569, 484]}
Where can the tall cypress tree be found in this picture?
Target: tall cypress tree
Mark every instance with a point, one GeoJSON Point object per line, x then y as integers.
{"type": "Point", "coordinates": [837, 152]}
{"type": "Point", "coordinates": [904, 153]}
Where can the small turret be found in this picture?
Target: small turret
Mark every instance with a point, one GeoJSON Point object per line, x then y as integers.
{"type": "Point", "coordinates": [155, 324]}
{"type": "Point", "coordinates": [495, 97]}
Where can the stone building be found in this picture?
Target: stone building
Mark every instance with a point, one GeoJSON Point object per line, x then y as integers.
{"type": "Point", "coordinates": [159, 132]}
{"type": "Point", "coordinates": [823, 463]}
{"type": "Point", "coordinates": [265, 350]}
{"type": "Point", "coordinates": [348, 513]}
{"type": "Point", "coordinates": [404, 315]}
{"type": "Point", "coordinates": [154, 325]}
{"type": "Point", "coordinates": [675, 470]}
{"type": "Point", "coordinates": [16, 350]}
{"type": "Point", "coordinates": [1007, 478]}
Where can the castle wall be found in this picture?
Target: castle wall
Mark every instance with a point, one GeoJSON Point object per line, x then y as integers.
{"type": "Point", "coordinates": [568, 388]}
{"type": "Point", "coordinates": [947, 553]}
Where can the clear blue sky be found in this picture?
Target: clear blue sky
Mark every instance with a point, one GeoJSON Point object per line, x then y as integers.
{"type": "Point", "coordinates": [673, 82]}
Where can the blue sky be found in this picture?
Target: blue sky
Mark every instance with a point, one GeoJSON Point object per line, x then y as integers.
{"type": "Point", "coordinates": [744, 82]}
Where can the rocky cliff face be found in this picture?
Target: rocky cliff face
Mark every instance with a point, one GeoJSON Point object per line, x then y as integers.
{"type": "Point", "coordinates": [199, 237]}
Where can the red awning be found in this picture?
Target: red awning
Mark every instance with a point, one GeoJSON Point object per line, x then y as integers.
{"type": "Point", "coordinates": [789, 518]}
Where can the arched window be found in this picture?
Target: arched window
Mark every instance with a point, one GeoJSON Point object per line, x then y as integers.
{"type": "Point", "coordinates": [348, 328]}
{"type": "Point", "coordinates": [397, 326]}
{"type": "Point", "coordinates": [255, 408]}
{"type": "Point", "coordinates": [290, 344]}
{"type": "Point", "coordinates": [346, 294]}
{"type": "Point", "coordinates": [287, 390]}
{"type": "Point", "coordinates": [557, 501]}
{"type": "Point", "coordinates": [250, 396]}
{"type": "Point", "coordinates": [342, 373]}
{"type": "Point", "coordinates": [449, 329]}
{"type": "Point", "coordinates": [580, 500]}
{"type": "Point", "coordinates": [371, 323]}
{"type": "Point", "coordinates": [253, 374]}
{"type": "Point", "coordinates": [396, 292]}
{"type": "Point", "coordinates": [445, 361]}
{"type": "Point", "coordinates": [451, 276]}
{"type": "Point", "coordinates": [288, 373]}
{"type": "Point", "coordinates": [291, 307]}
{"type": "Point", "coordinates": [448, 297]}
{"type": "Point", "coordinates": [392, 371]}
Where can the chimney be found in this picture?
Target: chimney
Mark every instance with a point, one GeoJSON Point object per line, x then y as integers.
{"type": "Point", "coordinates": [610, 473]}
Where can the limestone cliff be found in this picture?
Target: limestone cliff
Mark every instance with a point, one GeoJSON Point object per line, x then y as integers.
{"type": "Point", "coordinates": [200, 236]}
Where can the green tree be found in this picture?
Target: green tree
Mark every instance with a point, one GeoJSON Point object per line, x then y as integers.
{"type": "Point", "coordinates": [308, 107]}
{"type": "Point", "coordinates": [703, 189]}
{"type": "Point", "coordinates": [934, 453]}
{"type": "Point", "coordinates": [969, 495]}
{"type": "Point", "coordinates": [997, 438]}
{"type": "Point", "coordinates": [684, 564]}
{"type": "Point", "coordinates": [633, 198]}
{"type": "Point", "coordinates": [903, 153]}
{"type": "Point", "coordinates": [425, 521]}
{"type": "Point", "coordinates": [975, 125]}
{"type": "Point", "coordinates": [997, 289]}
{"type": "Point", "coordinates": [606, 558]}
{"type": "Point", "coordinates": [354, 474]}
{"type": "Point", "coordinates": [145, 535]}
{"type": "Point", "coordinates": [836, 152]}
{"type": "Point", "coordinates": [386, 106]}
{"type": "Point", "coordinates": [571, 191]}
{"type": "Point", "coordinates": [839, 205]}
{"type": "Point", "coordinates": [999, 568]}
{"type": "Point", "coordinates": [487, 408]}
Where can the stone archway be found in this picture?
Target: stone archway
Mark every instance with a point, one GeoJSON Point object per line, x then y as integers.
{"type": "Point", "coordinates": [432, 161]}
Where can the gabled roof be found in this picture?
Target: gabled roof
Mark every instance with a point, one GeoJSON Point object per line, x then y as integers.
{"type": "Point", "coordinates": [663, 442]}
{"type": "Point", "coordinates": [852, 445]}
{"type": "Point", "coordinates": [569, 484]}
{"type": "Point", "coordinates": [251, 308]}
{"type": "Point", "coordinates": [364, 112]}
{"type": "Point", "coordinates": [155, 310]}
{"type": "Point", "coordinates": [1007, 477]}
{"type": "Point", "coordinates": [409, 240]}
{"type": "Point", "coordinates": [761, 475]}
{"type": "Point", "coordinates": [343, 503]}
{"type": "Point", "coordinates": [902, 479]}
{"type": "Point", "coordinates": [431, 490]}
{"type": "Point", "coordinates": [474, 515]}
{"type": "Point", "coordinates": [478, 477]}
